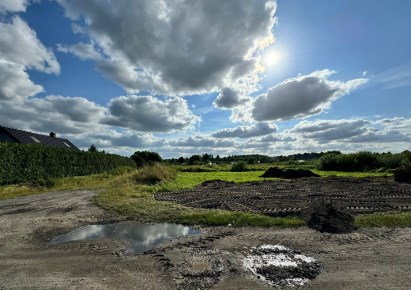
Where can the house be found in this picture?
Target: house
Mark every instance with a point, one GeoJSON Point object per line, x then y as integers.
{"type": "Point", "coordinates": [23, 137]}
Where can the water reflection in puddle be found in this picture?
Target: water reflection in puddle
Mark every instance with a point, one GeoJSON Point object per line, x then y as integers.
{"type": "Point", "coordinates": [138, 237]}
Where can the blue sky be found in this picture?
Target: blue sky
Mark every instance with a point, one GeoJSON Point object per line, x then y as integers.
{"type": "Point", "coordinates": [186, 77]}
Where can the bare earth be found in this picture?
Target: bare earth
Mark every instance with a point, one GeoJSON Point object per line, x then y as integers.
{"type": "Point", "coordinates": [366, 259]}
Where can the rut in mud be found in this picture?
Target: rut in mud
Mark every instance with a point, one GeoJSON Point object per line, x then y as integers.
{"type": "Point", "coordinates": [291, 197]}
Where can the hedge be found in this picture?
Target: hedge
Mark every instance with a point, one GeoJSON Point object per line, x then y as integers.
{"type": "Point", "coordinates": [35, 163]}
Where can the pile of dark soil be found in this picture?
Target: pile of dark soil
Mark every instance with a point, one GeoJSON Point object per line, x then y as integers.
{"type": "Point", "coordinates": [288, 173]}
{"type": "Point", "coordinates": [325, 217]}
{"type": "Point", "coordinates": [403, 175]}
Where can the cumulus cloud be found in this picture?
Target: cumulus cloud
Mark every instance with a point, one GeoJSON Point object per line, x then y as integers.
{"type": "Point", "coordinates": [258, 129]}
{"type": "Point", "coordinates": [301, 96]}
{"type": "Point", "coordinates": [15, 82]}
{"type": "Point", "coordinates": [19, 44]}
{"type": "Point", "coordinates": [150, 114]}
{"type": "Point", "coordinates": [20, 50]}
{"type": "Point", "coordinates": [229, 99]}
{"type": "Point", "coordinates": [13, 5]}
{"type": "Point", "coordinates": [329, 130]}
{"type": "Point", "coordinates": [159, 40]}
{"type": "Point", "coordinates": [53, 113]}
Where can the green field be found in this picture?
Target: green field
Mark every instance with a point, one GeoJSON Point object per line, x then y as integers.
{"type": "Point", "coordinates": [130, 193]}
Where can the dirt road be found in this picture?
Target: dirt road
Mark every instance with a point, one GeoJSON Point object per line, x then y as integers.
{"type": "Point", "coordinates": [366, 259]}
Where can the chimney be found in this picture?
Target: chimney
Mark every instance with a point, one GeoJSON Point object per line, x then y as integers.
{"type": "Point", "coordinates": [52, 134]}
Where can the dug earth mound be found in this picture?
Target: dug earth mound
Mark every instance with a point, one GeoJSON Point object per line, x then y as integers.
{"type": "Point", "coordinates": [276, 172]}
{"type": "Point", "coordinates": [323, 216]}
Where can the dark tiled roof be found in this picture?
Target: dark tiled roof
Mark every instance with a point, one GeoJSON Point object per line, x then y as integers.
{"type": "Point", "coordinates": [25, 137]}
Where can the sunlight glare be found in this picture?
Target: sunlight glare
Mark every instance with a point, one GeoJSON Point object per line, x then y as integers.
{"type": "Point", "coordinates": [271, 58]}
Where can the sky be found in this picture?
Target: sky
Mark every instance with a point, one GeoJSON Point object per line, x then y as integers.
{"type": "Point", "coordinates": [224, 77]}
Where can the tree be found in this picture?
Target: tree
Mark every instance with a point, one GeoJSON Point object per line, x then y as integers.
{"type": "Point", "coordinates": [145, 157]}
{"type": "Point", "coordinates": [92, 148]}
{"type": "Point", "coordinates": [195, 159]}
{"type": "Point", "coordinates": [181, 160]}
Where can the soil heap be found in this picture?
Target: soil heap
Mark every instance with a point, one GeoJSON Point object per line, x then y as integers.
{"type": "Point", "coordinates": [288, 173]}
{"type": "Point", "coordinates": [403, 175]}
{"type": "Point", "coordinates": [325, 217]}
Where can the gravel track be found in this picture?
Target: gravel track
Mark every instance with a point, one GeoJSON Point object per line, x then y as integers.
{"type": "Point", "coordinates": [365, 259]}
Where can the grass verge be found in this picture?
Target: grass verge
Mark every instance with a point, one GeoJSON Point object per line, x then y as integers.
{"type": "Point", "coordinates": [389, 219]}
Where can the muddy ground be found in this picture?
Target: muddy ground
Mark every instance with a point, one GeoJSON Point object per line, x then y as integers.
{"type": "Point", "coordinates": [291, 197]}
{"type": "Point", "coordinates": [365, 259]}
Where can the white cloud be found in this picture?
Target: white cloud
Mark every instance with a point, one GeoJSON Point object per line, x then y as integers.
{"type": "Point", "coordinates": [396, 77]}
{"type": "Point", "coordinates": [13, 5]}
{"type": "Point", "coordinates": [355, 130]}
{"type": "Point", "coordinates": [19, 44]}
{"type": "Point", "coordinates": [81, 50]}
{"type": "Point", "coordinates": [258, 129]}
{"type": "Point", "coordinates": [150, 114]}
{"type": "Point", "coordinates": [301, 96]}
{"type": "Point", "coordinates": [200, 142]}
{"type": "Point", "coordinates": [15, 82]}
{"type": "Point", "coordinates": [161, 43]}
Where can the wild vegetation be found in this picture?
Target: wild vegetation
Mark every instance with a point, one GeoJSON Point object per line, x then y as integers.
{"type": "Point", "coordinates": [130, 192]}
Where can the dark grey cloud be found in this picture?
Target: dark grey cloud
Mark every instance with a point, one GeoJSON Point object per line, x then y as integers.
{"type": "Point", "coordinates": [160, 40]}
{"type": "Point", "coordinates": [229, 99]}
{"type": "Point", "coordinates": [150, 114]}
{"type": "Point", "coordinates": [258, 129]}
{"type": "Point", "coordinates": [300, 97]}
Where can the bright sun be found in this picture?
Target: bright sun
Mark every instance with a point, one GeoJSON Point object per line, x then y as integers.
{"type": "Point", "coordinates": [271, 58]}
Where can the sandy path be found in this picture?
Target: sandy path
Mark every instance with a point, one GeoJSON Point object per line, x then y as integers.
{"type": "Point", "coordinates": [366, 259]}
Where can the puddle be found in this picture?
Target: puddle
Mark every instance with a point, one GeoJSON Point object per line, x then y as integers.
{"type": "Point", "coordinates": [139, 238]}
{"type": "Point", "coordinates": [280, 266]}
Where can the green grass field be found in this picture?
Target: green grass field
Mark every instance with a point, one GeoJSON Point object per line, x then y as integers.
{"type": "Point", "coordinates": [127, 193]}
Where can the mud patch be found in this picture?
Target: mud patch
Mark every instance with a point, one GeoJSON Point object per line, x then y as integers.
{"type": "Point", "coordinates": [138, 238]}
{"type": "Point", "coordinates": [280, 266]}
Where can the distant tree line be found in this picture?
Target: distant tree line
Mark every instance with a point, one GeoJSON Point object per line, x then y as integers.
{"type": "Point", "coordinates": [363, 161]}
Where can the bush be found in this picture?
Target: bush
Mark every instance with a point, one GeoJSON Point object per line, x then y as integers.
{"type": "Point", "coordinates": [239, 166]}
{"type": "Point", "coordinates": [39, 164]}
{"type": "Point", "coordinates": [154, 174]}
{"type": "Point", "coordinates": [146, 157]}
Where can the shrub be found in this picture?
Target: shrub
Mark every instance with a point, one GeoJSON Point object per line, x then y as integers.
{"type": "Point", "coordinates": [145, 157]}
{"type": "Point", "coordinates": [154, 174]}
{"type": "Point", "coordinates": [239, 166]}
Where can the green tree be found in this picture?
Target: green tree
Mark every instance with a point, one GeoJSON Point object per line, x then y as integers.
{"type": "Point", "coordinates": [92, 148]}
